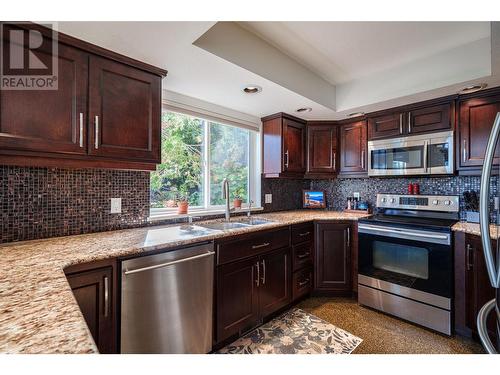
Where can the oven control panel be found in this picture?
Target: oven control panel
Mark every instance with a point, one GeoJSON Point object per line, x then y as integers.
{"type": "Point", "coordinates": [444, 203]}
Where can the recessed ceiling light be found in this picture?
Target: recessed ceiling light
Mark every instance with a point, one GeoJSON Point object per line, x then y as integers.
{"type": "Point", "coordinates": [472, 88]}
{"type": "Point", "coordinates": [304, 109]}
{"type": "Point", "coordinates": [252, 89]}
{"type": "Point", "coordinates": [356, 114]}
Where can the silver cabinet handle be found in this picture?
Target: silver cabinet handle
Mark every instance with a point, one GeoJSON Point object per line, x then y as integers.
{"type": "Point", "coordinates": [261, 245]}
{"type": "Point", "coordinates": [468, 255]}
{"type": "Point", "coordinates": [286, 158]}
{"type": "Point", "coordinates": [409, 122]}
{"type": "Point", "coordinates": [305, 282]}
{"type": "Point", "coordinates": [263, 272]}
{"type": "Point", "coordinates": [81, 129]}
{"type": "Point", "coordinates": [106, 296]}
{"type": "Point", "coordinates": [304, 234]}
{"type": "Point", "coordinates": [484, 204]}
{"type": "Point", "coordinates": [257, 281]}
{"type": "Point", "coordinates": [128, 272]}
{"type": "Point", "coordinates": [96, 132]}
{"type": "Point", "coordinates": [464, 151]}
{"type": "Point", "coordinates": [334, 161]}
{"type": "Point", "coordinates": [363, 159]}
{"type": "Point", "coordinates": [400, 123]}
{"type": "Point", "coordinates": [302, 256]}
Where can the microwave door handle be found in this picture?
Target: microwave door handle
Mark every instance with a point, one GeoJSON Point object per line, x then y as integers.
{"type": "Point", "coordinates": [426, 150]}
{"type": "Point", "coordinates": [484, 204]}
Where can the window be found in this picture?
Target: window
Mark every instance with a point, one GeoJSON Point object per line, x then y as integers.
{"type": "Point", "coordinates": [197, 155]}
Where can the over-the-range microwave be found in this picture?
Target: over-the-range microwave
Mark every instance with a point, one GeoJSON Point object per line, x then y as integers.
{"type": "Point", "coordinates": [424, 154]}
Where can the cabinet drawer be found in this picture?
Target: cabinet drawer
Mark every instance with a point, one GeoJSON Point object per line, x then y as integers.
{"type": "Point", "coordinates": [252, 244]}
{"type": "Point", "coordinates": [302, 233]}
{"type": "Point", "coordinates": [302, 283]}
{"type": "Point", "coordinates": [302, 255]}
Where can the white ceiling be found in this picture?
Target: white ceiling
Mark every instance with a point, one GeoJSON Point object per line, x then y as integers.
{"type": "Point", "coordinates": [345, 51]}
{"type": "Point", "coordinates": [353, 57]}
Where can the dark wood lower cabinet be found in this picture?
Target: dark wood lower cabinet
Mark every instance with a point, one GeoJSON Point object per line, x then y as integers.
{"type": "Point", "coordinates": [250, 290]}
{"type": "Point", "coordinates": [332, 263]}
{"type": "Point", "coordinates": [472, 285]}
{"type": "Point", "coordinates": [94, 290]}
{"type": "Point", "coordinates": [237, 297]}
{"type": "Point", "coordinates": [275, 292]}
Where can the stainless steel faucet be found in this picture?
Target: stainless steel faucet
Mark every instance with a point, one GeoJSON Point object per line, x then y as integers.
{"type": "Point", "coordinates": [225, 195]}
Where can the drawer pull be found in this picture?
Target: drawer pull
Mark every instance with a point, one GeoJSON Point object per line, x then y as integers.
{"type": "Point", "coordinates": [304, 234]}
{"type": "Point", "coordinates": [302, 256]}
{"type": "Point", "coordinates": [261, 245]}
{"type": "Point", "coordinates": [305, 282]}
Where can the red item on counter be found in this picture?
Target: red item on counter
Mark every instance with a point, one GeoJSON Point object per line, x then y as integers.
{"type": "Point", "coordinates": [410, 188]}
{"type": "Point", "coordinates": [416, 189]}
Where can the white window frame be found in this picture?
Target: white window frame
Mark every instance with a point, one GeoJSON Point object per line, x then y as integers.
{"type": "Point", "coordinates": [254, 173]}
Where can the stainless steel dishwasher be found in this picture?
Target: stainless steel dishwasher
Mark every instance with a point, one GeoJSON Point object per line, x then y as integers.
{"type": "Point", "coordinates": [166, 302]}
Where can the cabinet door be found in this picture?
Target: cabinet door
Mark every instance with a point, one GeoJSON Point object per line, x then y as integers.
{"type": "Point", "coordinates": [125, 111]}
{"type": "Point", "coordinates": [428, 119]}
{"type": "Point", "coordinates": [386, 126]}
{"type": "Point", "coordinates": [48, 120]}
{"type": "Point", "coordinates": [93, 290]}
{"type": "Point", "coordinates": [332, 260]}
{"type": "Point", "coordinates": [353, 148]}
{"type": "Point", "coordinates": [322, 149]}
{"type": "Point", "coordinates": [237, 297]}
{"type": "Point", "coordinates": [476, 119]}
{"type": "Point", "coordinates": [479, 289]}
{"type": "Point", "coordinates": [294, 136]}
{"type": "Point", "coordinates": [275, 281]}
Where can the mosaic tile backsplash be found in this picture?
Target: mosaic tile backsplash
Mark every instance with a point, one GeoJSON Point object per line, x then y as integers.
{"type": "Point", "coordinates": [44, 202]}
{"type": "Point", "coordinates": [337, 191]}
{"type": "Point", "coordinates": [287, 193]}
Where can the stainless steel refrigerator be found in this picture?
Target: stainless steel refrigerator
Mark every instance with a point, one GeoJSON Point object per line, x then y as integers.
{"type": "Point", "coordinates": [491, 255]}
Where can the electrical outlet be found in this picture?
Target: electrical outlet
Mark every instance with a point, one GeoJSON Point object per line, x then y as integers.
{"type": "Point", "coordinates": [116, 205]}
{"type": "Point", "coordinates": [356, 195]}
{"type": "Point", "coordinates": [268, 198]}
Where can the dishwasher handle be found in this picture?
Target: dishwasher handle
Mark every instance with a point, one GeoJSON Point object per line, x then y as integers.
{"type": "Point", "coordinates": [161, 265]}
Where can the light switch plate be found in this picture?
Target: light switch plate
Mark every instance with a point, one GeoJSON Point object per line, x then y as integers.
{"type": "Point", "coordinates": [268, 198]}
{"type": "Point", "coordinates": [355, 194]}
{"type": "Point", "coordinates": [116, 205]}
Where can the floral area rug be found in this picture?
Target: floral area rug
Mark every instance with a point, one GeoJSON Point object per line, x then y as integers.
{"type": "Point", "coordinates": [295, 332]}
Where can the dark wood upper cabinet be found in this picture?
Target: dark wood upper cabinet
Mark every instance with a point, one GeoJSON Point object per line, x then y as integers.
{"type": "Point", "coordinates": [49, 120]}
{"type": "Point", "coordinates": [94, 290]}
{"type": "Point", "coordinates": [105, 113]}
{"type": "Point", "coordinates": [284, 145]}
{"type": "Point", "coordinates": [386, 126]}
{"type": "Point", "coordinates": [426, 117]}
{"type": "Point", "coordinates": [332, 261]}
{"type": "Point", "coordinates": [322, 149]}
{"type": "Point", "coordinates": [353, 145]}
{"type": "Point", "coordinates": [475, 120]}
{"type": "Point", "coordinates": [431, 118]}
{"type": "Point", "coordinates": [124, 107]}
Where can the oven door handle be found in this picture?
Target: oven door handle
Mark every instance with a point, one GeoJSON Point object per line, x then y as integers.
{"type": "Point", "coordinates": [371, 229]}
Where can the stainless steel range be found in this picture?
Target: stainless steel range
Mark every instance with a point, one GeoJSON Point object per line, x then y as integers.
{"type": "Point", "coordinates": [406, 260]}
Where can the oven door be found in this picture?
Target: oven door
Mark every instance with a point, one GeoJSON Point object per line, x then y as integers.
{"type": "Point", "coordinates": [408, 258]}
{"type": "Point", "coordinates": [397, 157]}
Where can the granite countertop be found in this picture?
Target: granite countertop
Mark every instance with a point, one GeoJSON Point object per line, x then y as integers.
{"type": "Point", "coordinates": [38, 313]}
{"type": "Point", "coordinates": [473, 228]}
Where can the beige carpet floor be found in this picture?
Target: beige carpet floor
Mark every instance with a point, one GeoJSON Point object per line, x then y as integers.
{"type": "Point", "coordinates": [382, 333]}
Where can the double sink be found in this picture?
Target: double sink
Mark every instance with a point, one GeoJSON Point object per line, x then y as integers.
{"type": "Point", "coordinates": [239, 223]}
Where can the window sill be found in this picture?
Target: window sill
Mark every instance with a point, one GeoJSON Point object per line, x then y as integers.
{"type": "Point", "coordinates": [197, 212]}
